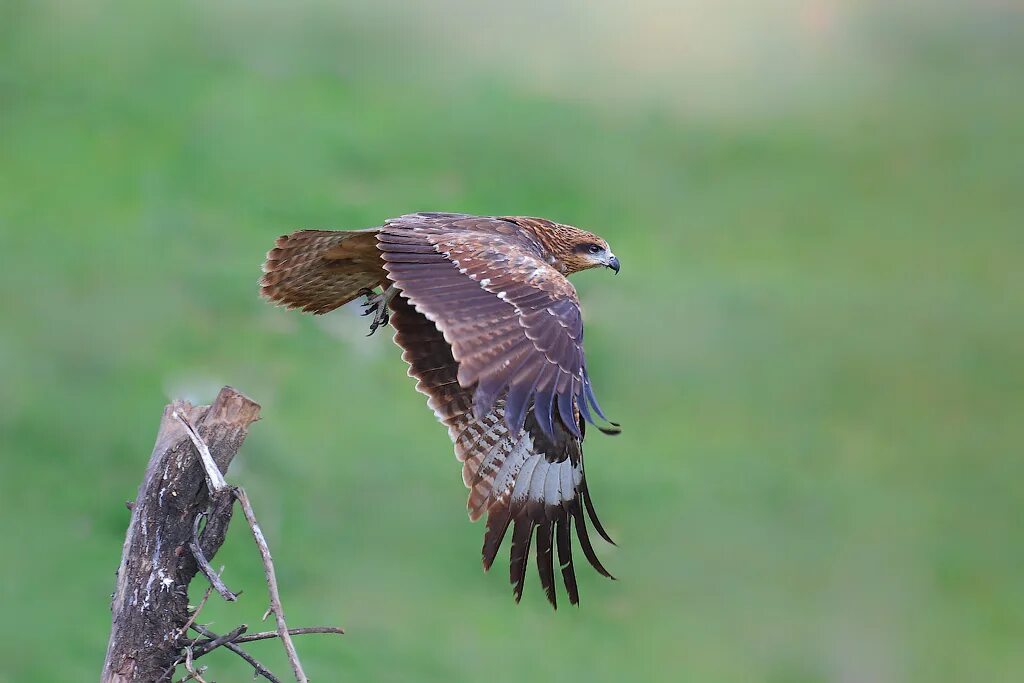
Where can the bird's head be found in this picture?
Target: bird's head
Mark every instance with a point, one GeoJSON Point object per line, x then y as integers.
{"type": "Point", "coordinates": [570, 248]}
{"type": "Point", "coordinates": [585, 250]}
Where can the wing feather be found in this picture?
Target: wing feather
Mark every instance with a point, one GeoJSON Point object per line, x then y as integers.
{"type": "Point", "coordinates": [525, 480]}
{"type": "Point", "coordinates": [546, 561]}
{"type": "Point", "coordinates": [563, 532]}
{"type": "Point", "coordinates": [485, 284]}
{"type": "Point", "coordinates": [522, 533]}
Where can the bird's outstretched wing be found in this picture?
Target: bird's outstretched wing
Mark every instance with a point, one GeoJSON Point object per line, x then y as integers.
{"type": "Point", "coordinates": [320, 270]}
{"type": "Point", "coordinates": [512, 320]}
{"type": "Point", "coordinates": [530, 481]}
{"type": "Point", "coordinates": [494, 336]}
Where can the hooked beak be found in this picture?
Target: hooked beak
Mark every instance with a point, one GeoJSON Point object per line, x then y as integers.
{"type": "Point", "coordinates": [613, 263]}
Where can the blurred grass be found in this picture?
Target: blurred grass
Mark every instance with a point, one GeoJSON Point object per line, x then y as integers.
{"type": "Point", "coordinates": [815, 343]}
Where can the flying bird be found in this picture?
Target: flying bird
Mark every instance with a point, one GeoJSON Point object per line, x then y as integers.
{"type": "Point", "coordinates": [491, 330]}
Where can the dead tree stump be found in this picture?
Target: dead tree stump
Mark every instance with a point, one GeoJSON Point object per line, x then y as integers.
{"type": "Point", "coordinates": [150, 602]}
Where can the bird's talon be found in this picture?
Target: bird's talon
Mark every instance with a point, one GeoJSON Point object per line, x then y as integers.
{"type": "Point", "coordinates": [377, 306]}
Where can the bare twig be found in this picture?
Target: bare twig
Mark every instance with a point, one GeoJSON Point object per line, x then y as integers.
{"type": "Point", "coordinates": [195, 613]}
{"type": "Point", "coordinates": [184, 630]}
{"type": "Point", "coordinates": [194, 676]}
{"type": "Point", "coordinates": [200, 649]}
{"type": "Point", "coordinates": [204, 565]}
{"type": "Point", "coordinates": [193, 673]}
{"type": "Point", "coordinates": [253, 662]}
{"type": "Point", "coordinates": [214, 478]}
{"type": "Point", "coordinates": [271, 576]}
{"type": "Point", "coordinates": [269, 635]}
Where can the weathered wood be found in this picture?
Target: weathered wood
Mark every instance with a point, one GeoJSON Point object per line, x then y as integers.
{"type": "Point", "coordinates": [150, 602]}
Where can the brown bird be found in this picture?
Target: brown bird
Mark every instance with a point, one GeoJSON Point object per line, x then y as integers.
{"type": "Point", "coordinates": [491, 329]}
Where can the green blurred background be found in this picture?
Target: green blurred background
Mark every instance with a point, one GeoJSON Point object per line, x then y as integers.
{"type": "Point", "coordinates": [816, 345]}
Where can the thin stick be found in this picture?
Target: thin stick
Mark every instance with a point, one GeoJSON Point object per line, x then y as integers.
{"type": "Point", "coordinates": [269, 635]}
{"type": "Point", "coordinates": [204, 564]}
{"type": "Point", "coordinates": [193, 673]}
{"type": "Point", "coordinates": [253, 662]}
{"type": "Point", "coordinates": [200, 649]}
{"type": "Point", "coordinates": [214, 479]}
{"type": "Point", "coordinates": [193, 676]}
{"type": "Point", "coordinates": [275, 596]}
{"type": "Point", "coordinates": [195, 613]}
{"type": "Point", "coordinates": [184, 629]}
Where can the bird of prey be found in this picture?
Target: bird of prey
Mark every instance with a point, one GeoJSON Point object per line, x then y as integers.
{"type": "Point", "coordinates": [491, 330]}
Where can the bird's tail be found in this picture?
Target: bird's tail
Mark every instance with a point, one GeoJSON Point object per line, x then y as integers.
{"type": "Point", "coordinates": [320, 270]}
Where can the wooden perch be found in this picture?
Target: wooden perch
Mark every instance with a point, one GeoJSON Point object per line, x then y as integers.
{"type": "Point", "coordinates": [150, 602]}
{"type": "Point", "coordinates": [164, 549]}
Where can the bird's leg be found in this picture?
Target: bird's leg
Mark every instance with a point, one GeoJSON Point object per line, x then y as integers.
{"type": "Point", "coordinates": [376, 304]}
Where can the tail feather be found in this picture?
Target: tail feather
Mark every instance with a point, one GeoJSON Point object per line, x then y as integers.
{"type": "Point", "coordinates": [320, 270]}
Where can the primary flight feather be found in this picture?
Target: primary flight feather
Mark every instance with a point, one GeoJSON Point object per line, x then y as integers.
{"type": "Point", "coordinates": [492, 332]}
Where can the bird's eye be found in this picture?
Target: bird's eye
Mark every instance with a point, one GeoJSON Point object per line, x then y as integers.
{"type": "Point", "coordinates": [594, 249]}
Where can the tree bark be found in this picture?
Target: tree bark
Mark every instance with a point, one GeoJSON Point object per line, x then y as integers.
{"type": "Point", "coordinates": [150, 602]}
